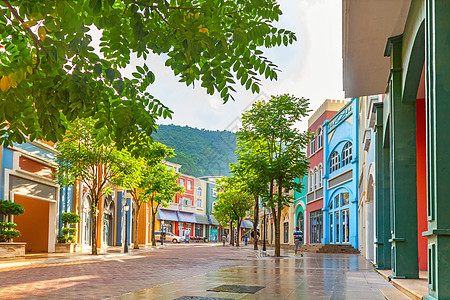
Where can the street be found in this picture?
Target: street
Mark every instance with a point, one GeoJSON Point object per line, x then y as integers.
{"type": "Point", "coordinates": [192, 269]}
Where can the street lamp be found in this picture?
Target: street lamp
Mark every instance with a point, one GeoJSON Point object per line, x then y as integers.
{"type": "Point", "coordinates": [126, 208]}
{"type": "Point", "coordinates": [265, 223]}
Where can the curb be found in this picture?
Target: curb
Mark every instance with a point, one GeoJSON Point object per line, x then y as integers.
{"type": "Point", "coordinates": [83, 258]}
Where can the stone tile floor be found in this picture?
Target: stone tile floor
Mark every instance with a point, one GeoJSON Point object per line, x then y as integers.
{"type": "Point", "coordinates": [190, 270]}
{"type": "Point", "coordinates": [314, 276]}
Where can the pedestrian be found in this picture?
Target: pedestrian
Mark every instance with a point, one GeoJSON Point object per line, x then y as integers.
{"type": "Point", "coordinates": [224, 238]}
{"type": "Point", "coordinates": [298, 240]}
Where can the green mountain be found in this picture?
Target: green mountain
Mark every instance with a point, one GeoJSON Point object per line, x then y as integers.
{"type": "Point", "coordinates": [200, 152]}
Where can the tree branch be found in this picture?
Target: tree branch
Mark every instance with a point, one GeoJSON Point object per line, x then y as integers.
{"type": "Point", "coordinates": [30, 32]}
{"type": "Point", "coordinates": [167, 22]}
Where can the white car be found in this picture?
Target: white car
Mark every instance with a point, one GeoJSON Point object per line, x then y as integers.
{"type": "Point", "coordinates": [170, 237]}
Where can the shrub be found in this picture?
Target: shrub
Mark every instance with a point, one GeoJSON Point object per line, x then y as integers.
{"type": "Point", "coordinates": [7, 229]}
{"type": "Point", "coordinates": [70, 218]}
{"type": "Point", "coordinates": [68, 233]}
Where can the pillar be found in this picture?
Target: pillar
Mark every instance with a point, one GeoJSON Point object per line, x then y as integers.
{"type": "Point", "coordinates": [382, 201]}
{"type": "Point", "coordinates": [437, 64]}
{"type": "Point", "coordinates": [403, 181]}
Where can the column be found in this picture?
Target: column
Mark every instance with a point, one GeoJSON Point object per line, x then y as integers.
{"type": "Point", "coordinates": [326, 239]}
{"type": "Point", "coordinates": [405, 263]}
{"type": "Point", "coordinates": [382, 205]}
{"type": "Point", "coordinates": [437, 64]}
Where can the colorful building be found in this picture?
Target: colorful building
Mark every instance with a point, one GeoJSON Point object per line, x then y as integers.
{"type": "Point", "coordinates": [366, 184]}
{"type": "Point", "coordinates": [340, 185]}
{"type": "Point", "coordinates": [213, 233]}
{"type": "Point", "coordinates": [408, 57]}
{"type": "Point", "coordinates": [314, 197]}
{"type": "Point", "coordinates": [28, 178]}
{"type": "Point", "coordinates": [299, 205]}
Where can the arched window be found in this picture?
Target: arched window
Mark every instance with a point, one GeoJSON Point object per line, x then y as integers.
{"type": "Point", "coordinates": [334, 161]}
{"type": "Point", "coordinates": [311, 181]}
{"type": "Point", "coordinates": [319, 138]}
{"type": "Point", "coordinates": [320, 176]}
{"type": "Point", "coordinates": [316, 173]}
{"type": "Point", "coordinates": [347, 154]}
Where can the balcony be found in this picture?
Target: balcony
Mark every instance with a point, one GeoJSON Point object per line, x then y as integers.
{"type": "Point", "coordinates": [181, 207]}
{"type": "Point", "coordinates": [313, 196]}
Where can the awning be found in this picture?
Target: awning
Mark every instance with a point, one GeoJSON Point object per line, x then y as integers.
{"type": "Point", "coordinates": [212, 220]}
{"type": "Point", "coordinates": [186, 217]}
{"type": "Point", "coordinates": [246, 224]}
{"type": "Point", "coordinates": [167, 215]}
{"type": "Point", "coordinates": [201, 219]}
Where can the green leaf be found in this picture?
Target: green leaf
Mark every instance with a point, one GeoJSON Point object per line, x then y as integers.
{"type": "Point", "coordinates": [98, 69]}
{"type": "Point", "coordinates": [110, 74]}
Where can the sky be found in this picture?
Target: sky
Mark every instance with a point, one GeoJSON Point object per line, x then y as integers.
{"type": "Point", "coordinates": [311, 68]}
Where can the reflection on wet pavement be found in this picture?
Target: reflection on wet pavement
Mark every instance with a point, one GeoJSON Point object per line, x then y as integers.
{"type": "Point", "coordinates": [314, 276]}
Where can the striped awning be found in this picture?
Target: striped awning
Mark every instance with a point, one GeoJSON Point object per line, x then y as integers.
{"type": "Point", "coordinates": [167, 215]}
{"type": "Point", "coordinates": [201, 219]}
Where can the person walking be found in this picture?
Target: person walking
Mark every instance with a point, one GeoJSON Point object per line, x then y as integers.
{"type": "Point", "coordinates": [298, 240]}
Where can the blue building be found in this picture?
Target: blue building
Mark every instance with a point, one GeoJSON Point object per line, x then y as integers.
{"type": "Point", "coordinates": [340, 204]}
{"type": "Point", "coordinates": [300, 204]}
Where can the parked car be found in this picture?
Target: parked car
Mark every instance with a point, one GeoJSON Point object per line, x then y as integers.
{"type": "Point", "coordinates": [170, 237]}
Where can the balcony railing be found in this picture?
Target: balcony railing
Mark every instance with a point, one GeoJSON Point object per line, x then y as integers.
{"type": "Point", "coordinates": [181, 207]}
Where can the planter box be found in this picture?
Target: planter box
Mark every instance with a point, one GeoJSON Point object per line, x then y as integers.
{"type": "Point", "coordinates": [12, 249]}
{"type": "Point", "coordinates": [67, 248]}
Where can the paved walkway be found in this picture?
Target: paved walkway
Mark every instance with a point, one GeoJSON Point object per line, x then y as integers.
{"type": "Point", "coordinates": [192, 270]}
{"type": "Point", "coordinates": [313, 276]}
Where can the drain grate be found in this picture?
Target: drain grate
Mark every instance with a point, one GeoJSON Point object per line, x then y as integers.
{"type": "Point", "coordinates": [201, 298]}
{"type": "Point", "coordinates": [246, 289]}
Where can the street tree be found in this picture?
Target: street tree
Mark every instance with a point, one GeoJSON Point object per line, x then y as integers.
{"type": "Point", "coordinates": [160, 185]}
{"type": "Point", "coordinates": [272, 125]}
{"type": "Point", "coordinates": [132, 177]}
{"type": "Point", "coordinates": [224, 215]}
{"type": "Point", "coordinates": [234, 197]}
{"type": "Point", "coordinates": [63, 60]}
{"type": "Point", "coordinates": [251, 169]}
{"type": "Point", "coordinates": [83, 156]}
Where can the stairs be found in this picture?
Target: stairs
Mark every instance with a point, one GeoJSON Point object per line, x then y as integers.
{"type": "Point", "coordinates": [330, 248]}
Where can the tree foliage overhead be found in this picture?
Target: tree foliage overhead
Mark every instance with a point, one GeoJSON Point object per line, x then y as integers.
{"type": "Point", "coordinates": [52, 70]}
{"type": "Point", "coordinates": [200, 152]}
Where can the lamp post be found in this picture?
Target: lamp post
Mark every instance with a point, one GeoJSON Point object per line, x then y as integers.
{"type": "Point", "coordinates": [126, 207]}
{"type": "Point", "coordinates": [265, 223]}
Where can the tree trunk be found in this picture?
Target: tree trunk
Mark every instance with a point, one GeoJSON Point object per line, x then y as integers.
{"type": "Point", "coordinates": [94, 230]}
{"type": "Point", "coordinates": [136, 224]}
{"type": "Point", "coordinates": [238, 233]}
{"type": "Point", "coordinates": [255, 223]}
{"type": "Point", "coordinates": [277, 220]}
{"type": "Point", "coordinates": [231, 234]}
{"type": "Point", "coordinates": [152, 225]}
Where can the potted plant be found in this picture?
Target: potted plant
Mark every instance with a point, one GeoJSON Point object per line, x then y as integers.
{"type": "Point", "coordinates": [67, 240]}
{"type": "Point", "coordinates": [8, 230]}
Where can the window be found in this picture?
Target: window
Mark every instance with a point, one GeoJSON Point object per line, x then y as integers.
{"type": "Point", "coordinates": [189, 185]}
{"type": "Point", "coordinates": [199, 230]}
{"type": "Point", "coordinates": [286, 232]}
{"type": "Point", "coordinates": [199, 192]}
{"type": "Point", "coordinates": [199, 202]}
{"type": "Point", "coordinates": [213, 204]}
{"type": "Point", "coordinates": [344, 199]}
{"type": "Point", "coordinates": [181, 181]}
{"type": "Point", "coordinates": [186, 201]}
{"type": "Point", "coordinates": [334, 162]}
{"type": "Point", "coordinates": [319, 138]}
{"type": "Point", "coordinates": [347, 154]}
{"type": "Point", "coordinates": [315, 231]}
{"type": "Point", "coordinates": [339, 219]}
{"type": "Point", "coordinates": [214, 193]}
{"type": "Point", "coordinates": [316, 179]}
{"type": "Point", "coordinates": [312, 148]}
{"type": "Point", "coordinates": [301, 222]}
{"type": "Point", "coordinates": [320, 176]}
{"type": "Point", "coordinates": [311, 181]}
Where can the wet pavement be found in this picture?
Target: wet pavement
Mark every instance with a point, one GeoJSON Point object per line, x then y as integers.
{"type": "Point", "coordinates": [313, 276]}
{"type": "Point", "coordinates": [184, 271]}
